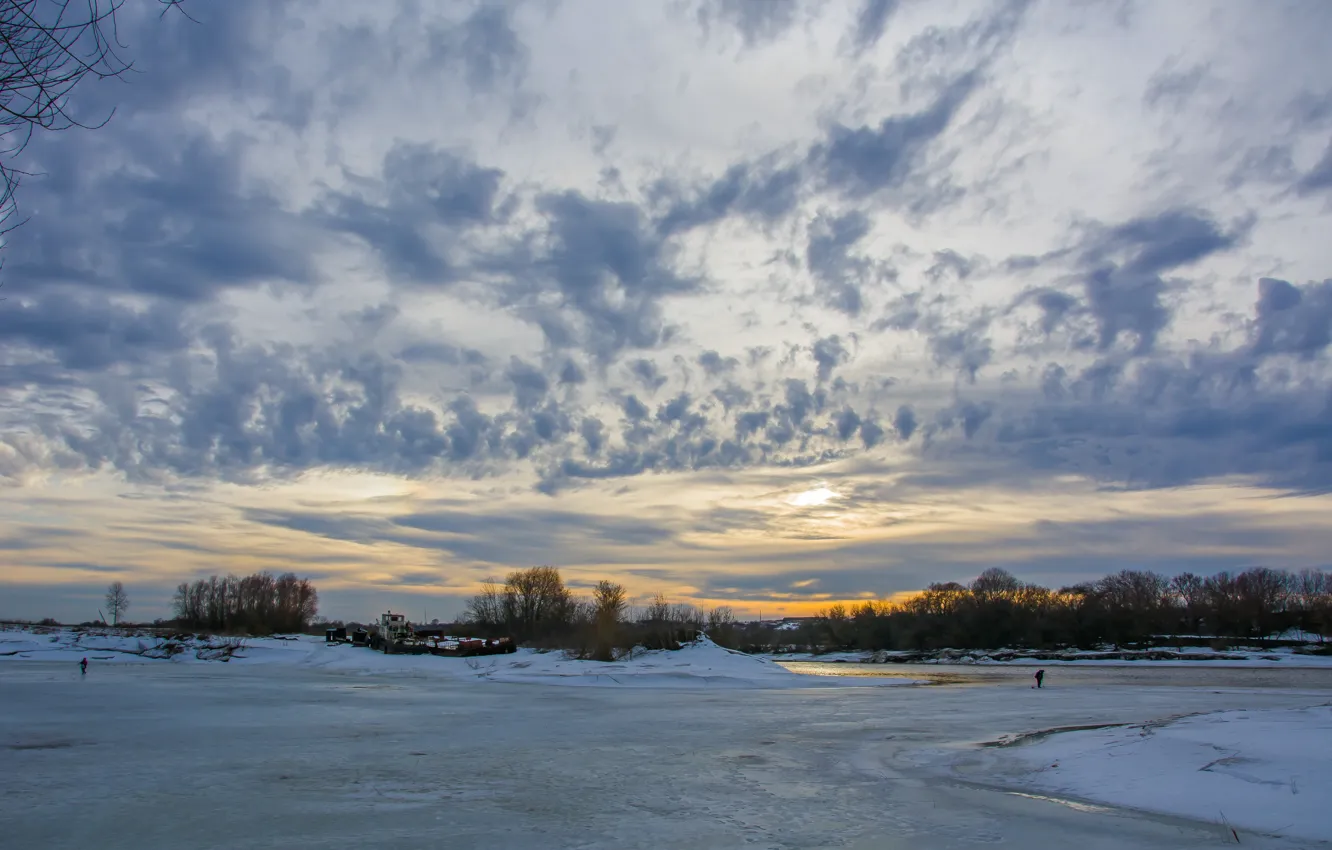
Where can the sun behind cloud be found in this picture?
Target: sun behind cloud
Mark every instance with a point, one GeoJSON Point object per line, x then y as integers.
{"type": "Point", "coordinates": [820, 495]}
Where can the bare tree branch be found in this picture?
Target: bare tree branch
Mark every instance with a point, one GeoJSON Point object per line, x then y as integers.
{"type": "Point", "coordinates": [48, 47]}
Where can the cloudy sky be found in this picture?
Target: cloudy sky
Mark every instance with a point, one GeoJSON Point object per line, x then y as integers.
{"type": "Point", "coordinates": [758, 303]}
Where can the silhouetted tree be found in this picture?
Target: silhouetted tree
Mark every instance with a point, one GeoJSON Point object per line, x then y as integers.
{"type": "Point", "coordinates": [259, 603]}
{"type": "Point", "coordinates": [536, 602]}
{"type": "Point", "coordinates": [721, 625]}
{"type": "Point", "coordinates": [117, 601]}
{"type": "Point", "coordinates": [1129, 607]}
{"type": "Point", "coordinates": [609, 601]}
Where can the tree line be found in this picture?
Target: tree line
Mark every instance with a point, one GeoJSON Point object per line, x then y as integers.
{"type": "Point", "coordinates": [258, 604]}
{"type": "Point", "coordinates": [535, 606]}
{"type": "Point", "coordinates": [1126, 608]}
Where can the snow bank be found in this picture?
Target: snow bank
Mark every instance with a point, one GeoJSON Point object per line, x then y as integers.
{"type": "Point", "coordinates": [110, 646]}
{"type": "Point", "coordinates": [1261, 770]}
{"type": "Point", "coordinates": [701, 664]}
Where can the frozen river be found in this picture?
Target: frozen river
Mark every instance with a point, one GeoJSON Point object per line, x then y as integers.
{"type": "Point", "coordinates": [1132, 674]}
{"type": "Point", "coordinates": [213, 756]}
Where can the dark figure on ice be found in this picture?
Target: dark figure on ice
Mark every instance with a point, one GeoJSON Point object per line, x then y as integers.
{"type": "Point", "coordinates": [83, 667]}
{"type": "Point", "coordinates": [1040, 678]}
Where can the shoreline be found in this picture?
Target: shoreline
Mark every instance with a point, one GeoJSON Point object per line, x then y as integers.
{"type": "Point", "coordinates": [1035, 658]}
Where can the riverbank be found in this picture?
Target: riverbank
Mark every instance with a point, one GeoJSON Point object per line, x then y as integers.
{"type": "Point", "coordinates": [1313, 655]}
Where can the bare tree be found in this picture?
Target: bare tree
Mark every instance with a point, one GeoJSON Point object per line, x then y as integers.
{"type": "Point", "coordinates": [258, 604]}
{"type": "Point", "coordinates": [117, 601]}
{"type": "Point", "coordinates": [486, 609]}
{"type": "Point", "coordinates": [48, 47]}
{"type": "Point", "coordinates": [721, 625]}
{"type": "Point", "coordinates": [536, 602]}
{"type": "Point", "coordinates": [658, 610]}
{"type": "Point", "coordinates": [994, 582]}
{"type": "Point", "coordinates": [610, 600]}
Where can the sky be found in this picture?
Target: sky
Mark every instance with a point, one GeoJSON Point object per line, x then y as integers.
{"type": "Point", "coordinates": [764, 304]}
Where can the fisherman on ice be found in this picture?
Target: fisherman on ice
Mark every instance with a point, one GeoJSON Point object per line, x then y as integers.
{"type": "Point", "coordinates": [1040, 678]}
{"type": "Point", "coordinates": [83, 667]}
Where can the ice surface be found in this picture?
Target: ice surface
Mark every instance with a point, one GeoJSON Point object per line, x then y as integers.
{"type": "Point", "coordinates": [298, 744]}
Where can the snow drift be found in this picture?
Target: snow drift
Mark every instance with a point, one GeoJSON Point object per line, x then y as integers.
{"type": "Point", "coordinates": [1261, 770]}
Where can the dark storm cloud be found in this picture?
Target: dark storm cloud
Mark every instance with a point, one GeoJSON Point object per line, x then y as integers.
{"type": "Point", "coordinates": [609, 270]}
{"type": "Point", "coordinates": [647, 374]}
{"type": "Point", "coordinates": [764, 190]}
{"type": "Point", "coordinates": [969, 416]}
{"type": "Point", "coordinates": [714, 364]}
{"type": "Point", "coordinates": [593, 432]}
{"type": "Point", "coordinates": [967, 349]}
{"type": "Point", "coordinates": [1123, 271]}
{"type": "Point", "coordinates": [1054, 306]}
{"type": "Point", "coordinates": [216, 48]}
{"type": "Point", "coordinates": [91, 333]}
{"type": "Point", "coordinates": [152, 206]}
{"type": "Point", "coordinates": [1292, 319]}
{"type": "Point", "coordinates": [428, 199]}
{"type": "Point", "coordinates": [530, 384]}
{"type": "Point", "coordinates": [732, 395]}
{"type": "Point", "coordinates": [829, 353]}
{"type": "Point", "coordinates": [871, 433]}
{"type": "Point", "coordinates": [677, 411]}
{"type": "Point", "coordinates": [634, 410]}
{"type": "Point", "coordinates": [244, 409]}
{"type": "Point", "coordinates": [165, 216]}
{"type": "Point", "coordinates": [572, 373]}
{"type": "Point", "coordinates": [904, 422]}
{"type": "Point", "coordinates": [245, 413]}
{"type": "Point", "coordinates": [869, 160]}
{"type": "Point", "coordinates": [1124, 283]}
{"type": "Point", "coordinates": [838, 275]}
{"type": "Point", "coordinates": [1162, 421]}
{"type": "Point", "coordinates": [884, 162]}
{"type": "Point", "coordinates": [847, 423]}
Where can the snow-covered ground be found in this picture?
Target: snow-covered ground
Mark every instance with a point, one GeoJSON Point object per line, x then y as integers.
{"type": "Point", "coordinates": [701, 664]}
{"type": "Point", "coordinates": [1262, 770]}
{"type": "Point", "coordinates": [292, 743]}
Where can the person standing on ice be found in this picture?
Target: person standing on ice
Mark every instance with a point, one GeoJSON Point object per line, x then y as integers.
{"type": "Point", "coordinates": [83, 667]}
{"type": "Point", "coordinates": [1040, 678]}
